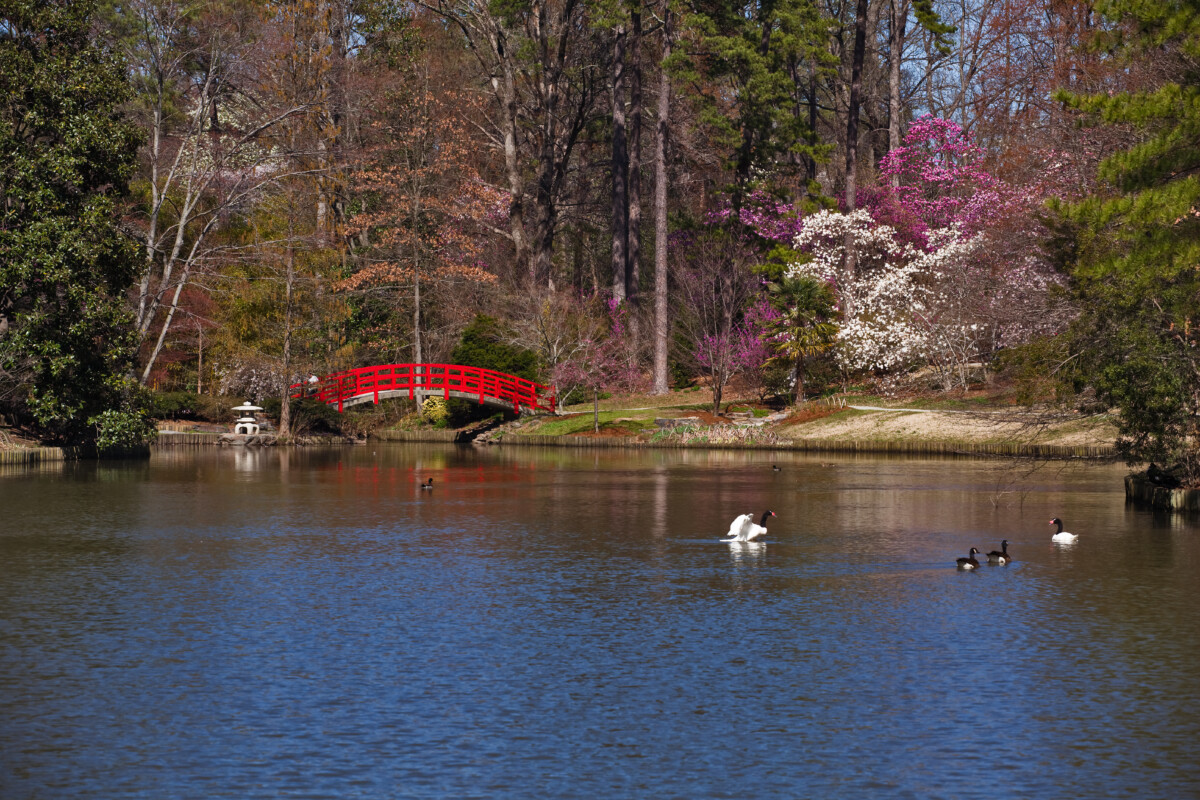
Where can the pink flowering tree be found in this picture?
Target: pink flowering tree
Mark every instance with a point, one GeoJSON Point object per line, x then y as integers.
{"type": "Point", "coordinates": [724, 355]}
{"type": "Point", "coordinates": [716, 286]}
{"type": "Point", "coordinates": [767, 216]}
{"type": "Point", "coordinates": [939, 279]}
{"type": "Point", "coordinates": [941, 179]}
{"type": "Point", "coordinates": [602, 357]}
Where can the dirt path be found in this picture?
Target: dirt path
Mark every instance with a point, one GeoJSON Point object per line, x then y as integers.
{"type": "Point", "coordinates": [883, 424]}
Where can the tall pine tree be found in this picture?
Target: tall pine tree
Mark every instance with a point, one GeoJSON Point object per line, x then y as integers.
{"type": "Point", "coordinates": [756, 57]}
{"type": "Point", "coordinates": [1136, 268]}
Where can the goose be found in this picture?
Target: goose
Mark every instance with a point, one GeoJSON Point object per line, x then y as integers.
{"type": "Point", "coordinates": [1061, 535]}
{"type": "Point", "coordinates": [969, 562]}
{"type": "Point", "coordinates": [1000, 556]}
{"type": "Point", "coordinates": [428, 484]}
{"type": "Point", "coordinates": [743, 529]}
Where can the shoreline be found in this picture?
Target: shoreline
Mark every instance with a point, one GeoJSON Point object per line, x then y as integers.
{"type": "Point", "coordinates": [853, 424]}
{"type": "Point", "coordinates": [915, 447]}
{"type": "Point", "coordinates": [864, 446]}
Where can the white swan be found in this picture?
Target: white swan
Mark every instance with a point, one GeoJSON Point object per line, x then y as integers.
{"type": "Point", "coordinates": [1062, 536]}
{"type": "Point", "coordinates": [743, 529]}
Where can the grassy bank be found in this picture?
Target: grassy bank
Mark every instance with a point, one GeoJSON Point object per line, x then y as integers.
{"type": "Point", "coordinates": [980, 423]}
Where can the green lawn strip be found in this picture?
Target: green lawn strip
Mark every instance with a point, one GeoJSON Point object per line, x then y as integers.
{"type": "Point", "coordinates": [625, 401]}
{"type": "Point", "coordinates": [634, 421]}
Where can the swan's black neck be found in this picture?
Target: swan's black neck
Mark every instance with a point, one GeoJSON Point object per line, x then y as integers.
{"type": "Point", "coordinates": [1058, 524]}
{"type": "Point", "coordinates": [766, 515]}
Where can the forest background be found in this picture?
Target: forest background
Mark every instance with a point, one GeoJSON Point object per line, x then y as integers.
{"type": "Point", "coordinates": [222, 197]}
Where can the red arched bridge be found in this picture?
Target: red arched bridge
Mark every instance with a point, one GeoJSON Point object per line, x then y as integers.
{"type": "Point", "coordinates": [372, 384]}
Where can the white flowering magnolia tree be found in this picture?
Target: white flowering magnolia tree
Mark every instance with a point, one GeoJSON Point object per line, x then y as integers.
{"type": "Point", "coordinates": [902, 307]}
{"type": "Point", "coordinates": [960, 276]}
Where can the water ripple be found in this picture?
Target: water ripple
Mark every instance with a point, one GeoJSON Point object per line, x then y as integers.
{"type": "Point", "coordinates": [567, 625]}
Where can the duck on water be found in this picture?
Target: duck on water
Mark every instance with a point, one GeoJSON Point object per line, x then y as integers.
{"type": "Point", "coordinates": [969, 562]}
{"type": "Point", "coordinates": [1000, 556]}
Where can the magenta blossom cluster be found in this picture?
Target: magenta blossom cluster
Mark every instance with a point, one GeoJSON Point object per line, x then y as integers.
{"type": "Point", "coordinates": [606, 359]}
{"type": "Point", "coordinates": [746, 348]}
{"type": "Point", "coordinates": [731, 353]}
{"type": "Point", "coordinates": [942, 180]}
{"type": "Point", "coordinates": [769, 217]}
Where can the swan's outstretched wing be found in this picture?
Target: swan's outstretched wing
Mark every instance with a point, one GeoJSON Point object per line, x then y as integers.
{"type": "Point", "coordinates": [739, 527]}
{"type": "Point", "coordinates": [753, 531]}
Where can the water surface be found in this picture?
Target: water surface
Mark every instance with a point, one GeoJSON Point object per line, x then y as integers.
{"type": "Point", "coordinates": [563, 623]}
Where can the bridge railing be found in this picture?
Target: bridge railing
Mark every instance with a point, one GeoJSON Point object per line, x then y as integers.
{"type": "Point", "coordinates": [428, 379]}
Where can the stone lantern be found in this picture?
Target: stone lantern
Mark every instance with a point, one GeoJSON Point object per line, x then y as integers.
{"type": "Point", "coordinates": [247, 423]}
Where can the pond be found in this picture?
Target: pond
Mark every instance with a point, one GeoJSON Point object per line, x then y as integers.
{"type": "Point", "coordinates": [565, 623]}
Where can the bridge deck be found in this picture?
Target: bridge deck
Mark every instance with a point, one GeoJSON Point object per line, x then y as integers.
{"type": "Point", "coordinates": [371, 384]}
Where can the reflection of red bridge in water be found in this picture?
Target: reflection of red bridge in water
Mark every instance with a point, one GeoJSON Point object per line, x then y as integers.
{"type": "Point", "coordinates": [372, 384]}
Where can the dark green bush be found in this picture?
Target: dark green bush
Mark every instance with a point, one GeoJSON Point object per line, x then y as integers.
{"type": "Point", "coordinates": [119, 429]}
{"type": "Point", "coordinates": [679, 375]}
{"type": "Point", "coordinates": [482, 346]}
{"type": "Point", "coordinates": [821, 375]}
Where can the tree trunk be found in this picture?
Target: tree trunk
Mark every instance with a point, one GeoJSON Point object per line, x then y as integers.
{"type": "Point", "coordinates": [856, 69]}
{"type": "Point", "coordinates": [660, 217]}
{"type": "Point", "coordinates": [166, 325]}
{"type": "Point", "coordinates": [506, 93]}
{"type": "Point", "coordinates": [895, 54]}
{"type": "Point", "coordinates": [322, 220]}
{"type": "Point", "coordinates": [596, 409]}
{"type": "Point", "coordinates": [285, 406]}
{"type": "Point", "coordinates": [930, 60]}
{"type": "Point", "coordinates": [542, 267]}
{"type": "Point", "coordinates": [620, 169]}
{"type": "Point", "coordinates": [417, 352]}
{"type": "Point", "coordinates": [745, 157]}
{"type": "Point", "coordinates": [199, 359]}
{"type": "Point", "coordinates": [813, 108]}
{"type": "Point", "coordinates": [633, 252]}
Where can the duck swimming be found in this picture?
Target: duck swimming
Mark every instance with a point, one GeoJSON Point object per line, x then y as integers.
{"type": "Point", "coordinates": [969, 562]}
{"type": "Point", "coordinates": [1000, 556]}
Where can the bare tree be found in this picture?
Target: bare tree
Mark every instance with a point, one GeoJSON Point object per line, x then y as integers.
{"type": "Point", "coordinates": [537, 63]}
{"type": "Point", "coordinates": [715, 285]}
{"type": "Point", "coordinates": [206, 161]}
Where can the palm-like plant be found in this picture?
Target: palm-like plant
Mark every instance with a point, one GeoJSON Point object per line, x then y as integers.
{"type": "Point", "coordinates": [806, 325]}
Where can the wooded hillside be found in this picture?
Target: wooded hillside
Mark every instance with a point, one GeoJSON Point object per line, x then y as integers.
{"type": "Point", "coordinates": [803, 193]}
